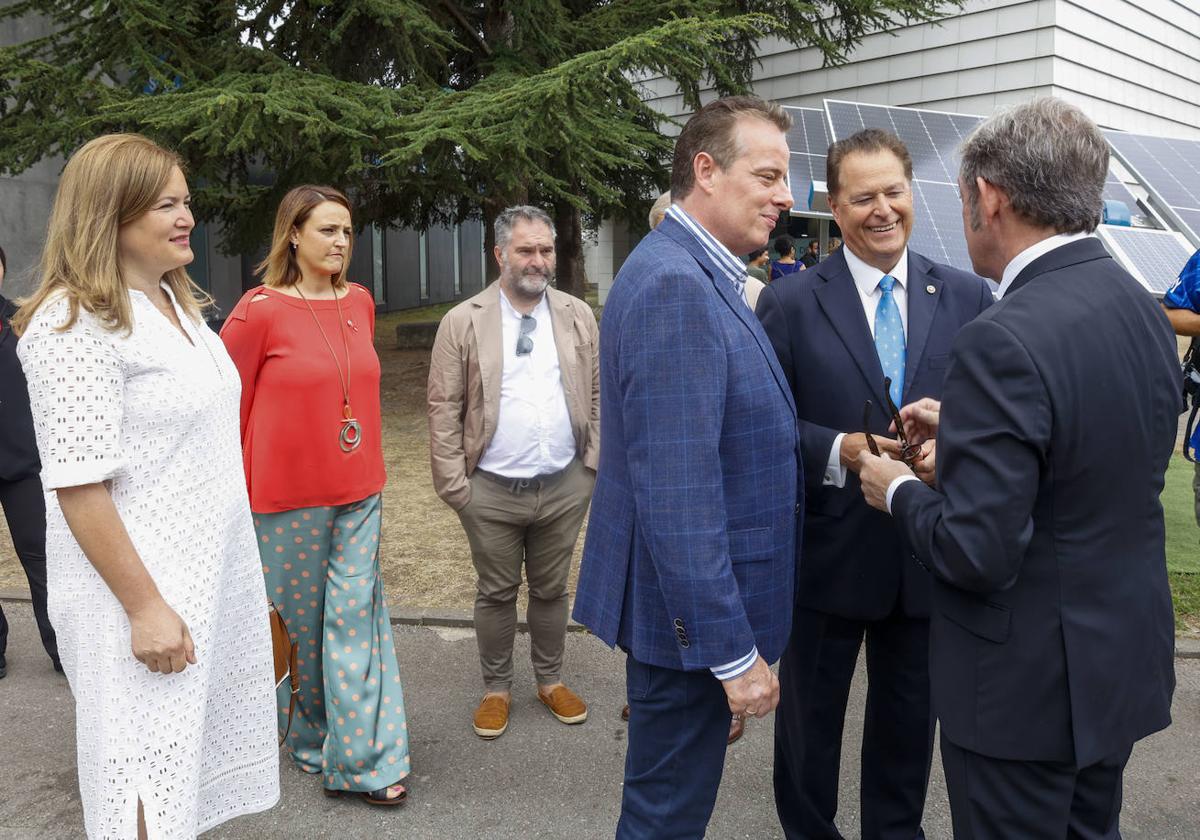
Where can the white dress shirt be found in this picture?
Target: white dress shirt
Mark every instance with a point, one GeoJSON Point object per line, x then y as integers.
{"type": "Point", "coordinates": [866, 281]}
{"type": "Point", "coordinates": [1015, 266]}
{"type": "Point", "coordinates": [533, 428]}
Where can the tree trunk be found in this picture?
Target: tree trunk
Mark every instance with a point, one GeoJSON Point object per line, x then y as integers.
{"type": "Point", "coordinates": [568, 246]}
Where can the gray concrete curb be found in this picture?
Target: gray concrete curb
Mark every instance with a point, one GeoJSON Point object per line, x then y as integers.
{"type": "Point", "coordinates": [415, 618]}
{"type": "Point", "coordinates": [1185, 648]}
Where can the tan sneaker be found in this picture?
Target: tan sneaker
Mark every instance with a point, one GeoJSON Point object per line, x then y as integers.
{"type": "Point", "coordinates": [565, 705]}
{"type": "Point", "coordinates": [491, 718]}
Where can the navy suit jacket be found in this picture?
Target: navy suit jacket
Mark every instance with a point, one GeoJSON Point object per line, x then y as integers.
{"type": "Point", "coordinates": [690, 552]}
{"type": "Point", "coordinates": [1052, 631]}
{"type": "Point", "coordinates": [854, 566]}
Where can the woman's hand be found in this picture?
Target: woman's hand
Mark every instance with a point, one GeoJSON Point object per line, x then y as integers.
{"type": "Point", "coordinates": [160, 639]}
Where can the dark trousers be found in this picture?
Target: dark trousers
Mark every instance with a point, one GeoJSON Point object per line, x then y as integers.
{"type": "Point", "coordinates": [1034, 800]}
{"type": "Point", "coordinates": [678, 723]}
{"type": "Point", "coordinates": [25, 511]}
{"type": "Point", "coordinates": [897, 746]}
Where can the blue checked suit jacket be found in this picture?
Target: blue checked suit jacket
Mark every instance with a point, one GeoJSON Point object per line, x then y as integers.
{"type": "Point", "coordinates": [690, 555]}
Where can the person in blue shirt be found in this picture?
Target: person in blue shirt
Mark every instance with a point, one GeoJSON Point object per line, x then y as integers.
{"type": "Point", "coordinates": [1182, 303]}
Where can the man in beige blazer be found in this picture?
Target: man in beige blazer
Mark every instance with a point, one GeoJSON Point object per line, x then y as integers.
{"type": "Point", "coordinates": [514, 422]}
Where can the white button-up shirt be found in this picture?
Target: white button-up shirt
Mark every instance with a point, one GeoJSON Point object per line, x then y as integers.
{"type": "Point", "coordinates": [533, 429]}
{"type": "Point", "coordinates": [866, 281]}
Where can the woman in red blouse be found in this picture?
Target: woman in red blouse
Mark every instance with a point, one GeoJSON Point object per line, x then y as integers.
{"type": "Point", "coordinates": [312, 447]}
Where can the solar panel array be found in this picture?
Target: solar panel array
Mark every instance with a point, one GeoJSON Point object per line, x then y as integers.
{"type": "Point", "coordinates": [1170, 171]}
{"type": "Point", "coordinates": [1153, 257]}
{"type": "Point", "coordinates": [1115, 190]}
{"type": "Point", "coordinates": [932, 138]}
{"type": "Point", "coordinates": [808, 140]}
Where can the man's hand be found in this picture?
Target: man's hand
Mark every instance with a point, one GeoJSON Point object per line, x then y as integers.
{"type": "Point", "coordinates": [160, 639]}
{"type": "Point", "coordinates": [755, 692]}
{"type": "Point", "coordinates": [876, 475]}
{"type": "Point", "coordinates": [856, 442]}
{"type": "Point", "coordinates": [926, 463]}
{"type": "Point", "coordinates": [920, 419]}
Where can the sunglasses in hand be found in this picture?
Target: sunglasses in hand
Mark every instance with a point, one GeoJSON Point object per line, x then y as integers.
{"type": "Point", "coordinates": [908, 451]}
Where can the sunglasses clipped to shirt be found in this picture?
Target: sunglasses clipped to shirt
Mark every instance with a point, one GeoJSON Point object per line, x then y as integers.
{"type": "Point", "coordinates": [524, 342]}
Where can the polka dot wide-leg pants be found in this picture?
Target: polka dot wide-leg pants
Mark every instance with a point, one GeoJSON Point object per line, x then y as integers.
{"type": "Point", "coordinates": [322, 570]}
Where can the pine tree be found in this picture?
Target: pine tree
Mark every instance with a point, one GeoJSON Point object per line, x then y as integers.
{"type": "Point", "coordinates": [427, 112]}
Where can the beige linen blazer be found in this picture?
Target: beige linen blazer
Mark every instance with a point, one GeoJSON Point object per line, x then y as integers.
{"type": "Point", "coordinates": [465, 373]}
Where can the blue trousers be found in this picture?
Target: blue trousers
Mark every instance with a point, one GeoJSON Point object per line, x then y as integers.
{"type": "Point", "coordinates": [678, 725]}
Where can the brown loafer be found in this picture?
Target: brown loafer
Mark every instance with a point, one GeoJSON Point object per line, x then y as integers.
{"type": "Point", "coordinates": [625, 712]}
{"type": "Point", "coordinates": [737, 728]}
{"type": "Point", "coordinates": [491, 718]}
{"type": "Point", "coordinates": [565, 705]}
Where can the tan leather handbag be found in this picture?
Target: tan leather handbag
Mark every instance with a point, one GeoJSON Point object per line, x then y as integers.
{"type": "Point", "coordinates": [284, 650]}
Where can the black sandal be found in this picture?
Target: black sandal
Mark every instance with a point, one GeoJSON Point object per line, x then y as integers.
{"type": "Point", "coordinates": [374, 797]}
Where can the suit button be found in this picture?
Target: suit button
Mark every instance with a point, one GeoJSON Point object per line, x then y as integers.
{"type": "Point", "coordinates": [684, 643]}
{"type": "Point", "coordinates": [679, 624]}
{"type": "Point", "coordinates": [797, 508]}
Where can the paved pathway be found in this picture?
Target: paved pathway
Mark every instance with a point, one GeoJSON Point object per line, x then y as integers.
{"type": "Point", "coordinates": [540, 780]}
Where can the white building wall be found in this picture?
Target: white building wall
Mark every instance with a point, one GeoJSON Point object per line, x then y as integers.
{"type": "Point", "coordinates": [1132, 65]}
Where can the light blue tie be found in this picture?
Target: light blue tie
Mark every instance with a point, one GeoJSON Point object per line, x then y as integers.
{"type": "Point", "coordinates": [889, 338]}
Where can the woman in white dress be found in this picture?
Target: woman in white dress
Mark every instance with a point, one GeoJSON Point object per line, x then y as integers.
{"type": "Point", "coordinates": [154, 581]}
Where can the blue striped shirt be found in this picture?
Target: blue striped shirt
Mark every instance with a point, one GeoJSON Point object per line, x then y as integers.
{"type": "Point", "coordinates": [726, 261]}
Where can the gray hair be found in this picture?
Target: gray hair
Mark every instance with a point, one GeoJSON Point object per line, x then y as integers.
{"type": "Point", "coordinates": [1047, 156]}
{"type": "Point", "coordinates": [659, 209]}
{"type": "Point", "coordinates": [524, 213]}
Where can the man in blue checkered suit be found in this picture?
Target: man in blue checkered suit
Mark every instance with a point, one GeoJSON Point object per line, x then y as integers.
{"type": "Point", "coordinates": [689, 563]}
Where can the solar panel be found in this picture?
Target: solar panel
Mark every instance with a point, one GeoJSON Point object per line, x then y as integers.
{"type": "Point", "coordinates": [1153, 257]}
{"type": "Point", "coordinates": [932, 138]}
{"type": "Point", "coordinates": [1170, 171]}
{"type": "Point", "coordinates": [1114, 189]}
{"type": "Point", "coordinates": [808, 141]}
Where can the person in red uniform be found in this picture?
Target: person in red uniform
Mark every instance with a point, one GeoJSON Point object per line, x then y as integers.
{"type": "Point", "coordinates": [312, 446]}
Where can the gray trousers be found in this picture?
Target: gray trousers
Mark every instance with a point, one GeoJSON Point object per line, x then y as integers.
{"type": "Point", "coordinates": [534, 527]}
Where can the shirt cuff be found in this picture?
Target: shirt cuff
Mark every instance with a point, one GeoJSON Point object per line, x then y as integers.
{"type": "Point", "coordinates": [896, 482]}
{"type": "Point", "coordinates": [737, 667]}
{"type": "Point", "coordinates": [835, 473]}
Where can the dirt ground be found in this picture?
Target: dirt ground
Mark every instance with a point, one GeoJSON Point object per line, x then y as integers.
{"type": "Point", "coordinates": [425, 558]}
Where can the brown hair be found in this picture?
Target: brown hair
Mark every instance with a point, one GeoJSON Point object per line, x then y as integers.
{"type": "Point", "coordinates": [867, 141]}
{"type": "Point", "coordinates": [108, 183]}
{"type": "Point", "coordinates": [713, 129]}
{"type": "Point", "coordinates": [280, 267]}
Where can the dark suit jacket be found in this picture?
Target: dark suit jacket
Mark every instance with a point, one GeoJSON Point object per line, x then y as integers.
{"type": "Point", "coordinates": [690, 553]}
{"type": "Point", "coordinates": [1052, 632]}
{"type": "Point", "coordinates": [853, 565]}
{"type": "Point", "coordinates": [18, 447]}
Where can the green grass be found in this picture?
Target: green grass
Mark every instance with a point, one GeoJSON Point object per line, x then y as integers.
{"type": "Point", "coordinates": [1183, 544]}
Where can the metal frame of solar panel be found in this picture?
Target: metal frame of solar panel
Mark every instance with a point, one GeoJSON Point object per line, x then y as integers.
{"type": "Point", "coordinates": [1153, 257]}
{"type": "Point", "coordinates": [932, 138]}
{"type": "Point", "coordinates": [1169, 169]}
{"type": "Point", "coordinates": [808, 140]}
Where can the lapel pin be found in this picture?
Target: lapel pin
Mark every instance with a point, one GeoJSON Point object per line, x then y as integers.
{"type": "Point", "coordinates": [931, 288]}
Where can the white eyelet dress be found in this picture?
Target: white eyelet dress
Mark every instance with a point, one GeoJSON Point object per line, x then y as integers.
{"type": "Point", "coordinates": [157, 419]}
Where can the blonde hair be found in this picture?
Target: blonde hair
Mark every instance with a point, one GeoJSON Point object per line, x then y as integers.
{"type": "Point", "coordinates": [108, 183]}
{"type": "Point", "coordinates": [659, 209]}
{"type": "Point", "coordinates": [280, 267]}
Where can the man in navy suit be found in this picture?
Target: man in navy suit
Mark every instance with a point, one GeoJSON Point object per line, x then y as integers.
{"type": "Point", "coordinates": [690, 554]}
{"type": "Point", "coordinates": [837, 333]}
{"type": "Point", "coordinates": [1052, 631]}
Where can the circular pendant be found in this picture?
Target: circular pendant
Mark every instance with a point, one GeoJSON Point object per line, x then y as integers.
{"type": "Point", "coordinates": [351, 435]}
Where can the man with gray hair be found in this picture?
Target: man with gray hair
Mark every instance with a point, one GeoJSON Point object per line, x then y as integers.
{"type": "Point", "coordinates": [514, 441]}
{"type": "Point", "coordinates": [1052, 633]}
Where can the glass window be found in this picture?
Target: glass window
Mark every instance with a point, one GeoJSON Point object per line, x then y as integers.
{"type": "Point", "coordinates": [377, 273]}
{"type": "Point", "coordinates": [457, 260]}
{"type": "Point", "coordinates": [423, 261]}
